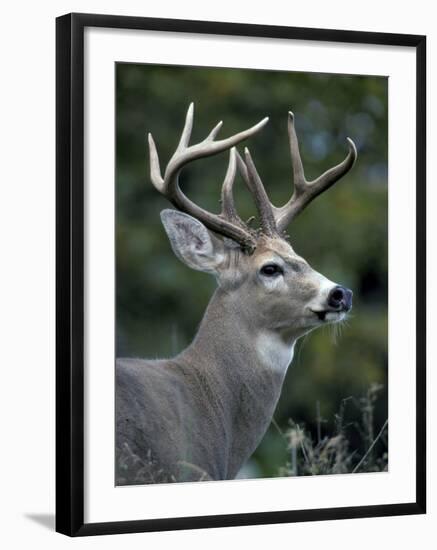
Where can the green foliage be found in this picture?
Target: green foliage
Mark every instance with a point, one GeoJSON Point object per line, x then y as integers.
{"type": "Point", "coordinates": [343, 234]}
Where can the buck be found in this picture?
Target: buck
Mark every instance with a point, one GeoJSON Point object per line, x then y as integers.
{"type": "Point", "coordinates": [201, 414]}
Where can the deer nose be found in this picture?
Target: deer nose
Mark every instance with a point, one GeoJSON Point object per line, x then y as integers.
{"type": "Point", "coordinates": [340, 297]}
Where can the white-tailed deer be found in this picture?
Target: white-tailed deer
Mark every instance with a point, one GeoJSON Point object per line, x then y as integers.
{"type": "Point", "coordinates": [201, 414]}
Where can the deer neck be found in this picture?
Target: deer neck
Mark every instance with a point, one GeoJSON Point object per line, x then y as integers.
{"type": "Point", "coordinates": [244, 368]}
{"type": "Point", "coordinates": [227, 337]}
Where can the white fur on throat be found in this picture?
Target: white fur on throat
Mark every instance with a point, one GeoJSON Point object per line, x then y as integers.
{"type": "Point", "coordinates": [274, 353]}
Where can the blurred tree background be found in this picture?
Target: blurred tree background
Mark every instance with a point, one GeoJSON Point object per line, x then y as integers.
{"type": "Point", "coordinates": [343, 234]}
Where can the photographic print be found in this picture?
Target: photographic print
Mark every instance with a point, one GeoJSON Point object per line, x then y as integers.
{"type": "Point", "coordinates": [251, 274]}
{"type": "Point", "coordinates": [235, 345]}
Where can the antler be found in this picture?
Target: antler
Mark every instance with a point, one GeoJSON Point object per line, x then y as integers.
{"type": "Point", "coordinates": [227, 223]}
{"type": "Point", "coordinates": [305, 191]}
{"type": "Point", "coordinates": [275, 220]}
{"type": "Point", "coordinates": [264, 206]}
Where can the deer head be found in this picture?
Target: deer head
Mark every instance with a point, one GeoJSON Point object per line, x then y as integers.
{"type": "Point", "coordinates": [257, 269]}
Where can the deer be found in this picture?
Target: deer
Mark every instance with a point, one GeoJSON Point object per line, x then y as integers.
{"type": "Point", "coordinates": [201, 414]}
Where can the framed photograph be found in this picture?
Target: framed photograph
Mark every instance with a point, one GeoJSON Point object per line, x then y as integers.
{"type": "Point", "coordinates": [240, 274]}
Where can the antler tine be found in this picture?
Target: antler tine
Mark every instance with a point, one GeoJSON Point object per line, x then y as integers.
{"type": "Point", "coordinates": [229, 211]}
{"type": "Point", "coordinates": [305, 191]}
{"type": "Point", "coordinates": [298, 172]}
{"type": "Point", "coordinates": [212, 135]}
{"type": "Point", "coordinates": [256, 187]}
{"type": "Point", "coordinates": [184, 154]}
{"type": "Point", "coordinates": [155, 169]}
{"type": "Point", "coordinates": [188, 128]}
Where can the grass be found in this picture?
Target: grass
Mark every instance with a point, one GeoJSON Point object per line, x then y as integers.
{"type": "Point", "coordinates": [353, 447]}
{"type": "Point", "coordinates": [134, 470]}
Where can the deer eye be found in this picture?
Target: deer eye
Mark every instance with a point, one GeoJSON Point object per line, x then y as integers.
{"type": "Point", "coordinates": [271, 270]}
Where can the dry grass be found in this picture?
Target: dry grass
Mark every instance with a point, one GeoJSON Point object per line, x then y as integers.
{"type": "Point", "coordinates": [333, 453]}
{"type": "Point", "coordinates": [134, 470]}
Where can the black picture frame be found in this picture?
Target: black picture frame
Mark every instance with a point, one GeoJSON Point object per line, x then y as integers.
{"type": "Point", "coordinates": [70, 272]}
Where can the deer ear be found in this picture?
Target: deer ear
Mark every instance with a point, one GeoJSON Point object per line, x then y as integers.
{"type": "Point", "coordinates": [192, 243]}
